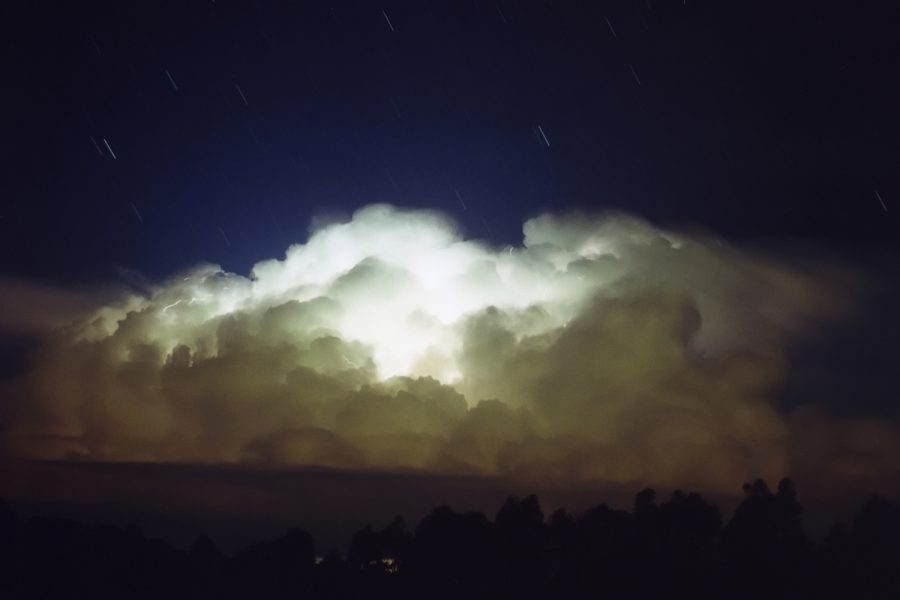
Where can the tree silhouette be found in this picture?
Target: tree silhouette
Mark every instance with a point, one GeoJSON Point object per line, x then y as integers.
{"type": "Point", "coordinates": [677, 548]}
{"type": "Point", "coordinates": [764, 545]}
{"type": "Point", "coordinates": [875, 546]}
{"type": "Point", "coordinates": [381, 551]}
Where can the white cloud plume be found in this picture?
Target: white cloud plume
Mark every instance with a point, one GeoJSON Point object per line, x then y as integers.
{"type": "Point", "coordinates": [601, 348]}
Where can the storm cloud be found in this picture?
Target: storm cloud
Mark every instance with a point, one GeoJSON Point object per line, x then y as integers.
{"type": "Point", "coordinates": [602, 348]}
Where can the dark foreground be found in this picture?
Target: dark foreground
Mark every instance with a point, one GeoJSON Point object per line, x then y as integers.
{"type": "Point", "coordinates": [677, 549]}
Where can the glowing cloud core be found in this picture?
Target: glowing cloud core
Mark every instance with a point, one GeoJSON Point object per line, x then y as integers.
{"type": "Point", "coordinates": [400, 283]}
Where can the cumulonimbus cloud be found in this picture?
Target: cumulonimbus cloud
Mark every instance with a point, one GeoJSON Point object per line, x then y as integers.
{"type": "Point", "coordinates": [602, 348]}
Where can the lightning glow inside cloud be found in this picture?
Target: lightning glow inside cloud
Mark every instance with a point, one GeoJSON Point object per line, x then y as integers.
{"type": "Point", "coordinates": [601, 348]}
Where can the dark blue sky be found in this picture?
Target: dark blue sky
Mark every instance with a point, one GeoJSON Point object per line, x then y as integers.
{"type": "Point", "coordinates": [756, 119]}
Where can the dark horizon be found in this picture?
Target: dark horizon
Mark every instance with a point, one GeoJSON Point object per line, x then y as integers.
{"type": "Point", "coordinates": [239, 504]}
{"type": "Point", "coordinates": [685, 544]}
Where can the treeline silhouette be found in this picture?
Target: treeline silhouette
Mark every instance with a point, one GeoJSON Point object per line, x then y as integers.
{"type": "Point", "coordinates": [677, 548]}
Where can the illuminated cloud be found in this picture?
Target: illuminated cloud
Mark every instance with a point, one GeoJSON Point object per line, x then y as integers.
{"type": "Point", "coordinates": [602, 348]}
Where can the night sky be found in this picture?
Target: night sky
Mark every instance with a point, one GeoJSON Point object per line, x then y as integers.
{"type": "Point", "coordinates": [234, 123]}
{"type": "Point", "coordinates": [464, 248]}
